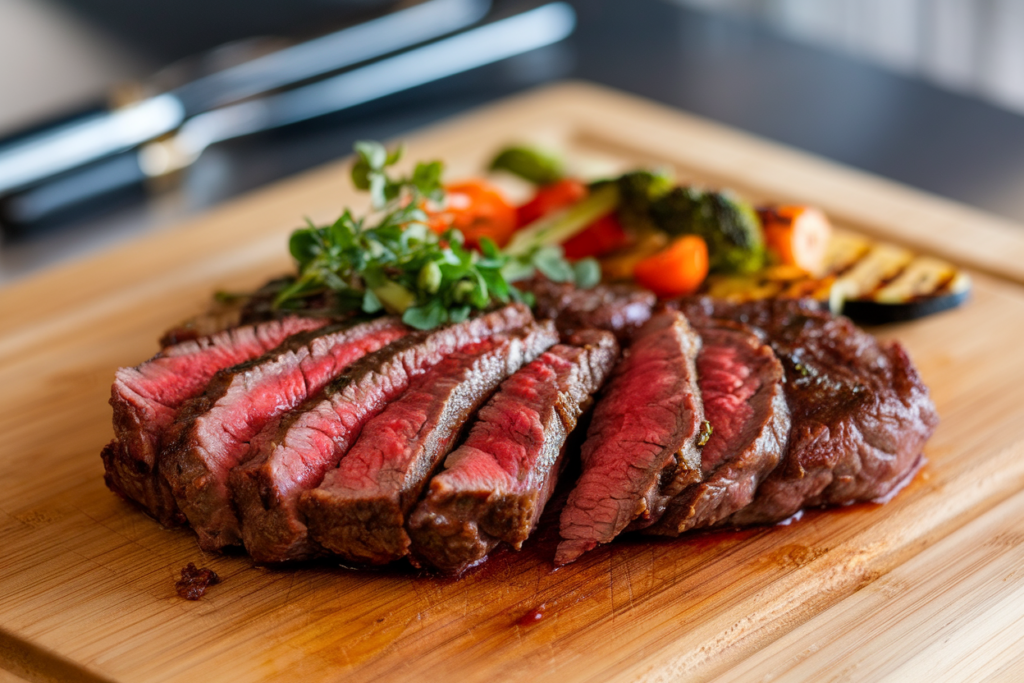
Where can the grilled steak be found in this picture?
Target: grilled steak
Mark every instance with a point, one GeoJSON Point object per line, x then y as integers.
{"type": "Point", "coordinates": [617, 308]}
{"type": "Point", "coordinates": [146, 400]}
{"type": "Point", "coordinates": [860, 413]}
{"type": "Point", "coordinates": [296, 453]}
{"type": "Point", "coordinates": [642, 438]}
{"type": "Point", "coordinates": [213, 430]}
{"type": "Point", "coordinates": [741, 384]}
{"type": "Point", "coordinates": [495, 486]}
{"type": "Point", "coordinates": [359, 510]}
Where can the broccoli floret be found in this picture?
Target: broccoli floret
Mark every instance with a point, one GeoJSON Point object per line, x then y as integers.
{"type": "Point", "coordinates": [637, 192]}
{"type": "Point", "coordinates": [729, 225]}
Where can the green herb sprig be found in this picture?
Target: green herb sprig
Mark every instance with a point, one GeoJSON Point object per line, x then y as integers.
{"type": "Point", "coordinates": [392, 261]}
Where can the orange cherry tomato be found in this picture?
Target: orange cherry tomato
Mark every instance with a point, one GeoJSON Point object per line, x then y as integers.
{"type": "Point", "coordinates": [478, 210]}
{"type": "Point", "coordinates": [677, 270]}
{"type": "Point", "coordinates": [550, 198]}
{"type": "Point", "coordinates": [601, 237]}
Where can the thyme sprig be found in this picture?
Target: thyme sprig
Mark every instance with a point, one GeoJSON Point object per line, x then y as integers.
{"type": "Point", "coordinates": [391, 260]}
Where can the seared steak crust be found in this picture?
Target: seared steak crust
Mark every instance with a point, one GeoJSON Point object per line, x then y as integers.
{"type": "Point", "coordinates": [620, 309]}
{"type": "Point", "coordinates": [359, 510]}
{"type": "Point", "coordinates": [294, 454]}
{"type": "Point", "coordinates": [641, 447]}
{"type": "Point", "coordinates": [146, 400]}
{"type": "Point", "coordinates": [213, 431]}
{"type": "Point", "coordinates": [860, 413]}
{"type": "Point", "coordinates": [741, 383]}
{"type": "Point", "coordinates": [495, 486]}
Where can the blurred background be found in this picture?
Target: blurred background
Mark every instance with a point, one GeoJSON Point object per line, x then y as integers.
{"type": "Point", "coordinates": [927, 92]}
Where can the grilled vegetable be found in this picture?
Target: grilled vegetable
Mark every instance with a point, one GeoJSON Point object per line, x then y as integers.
{"type": "Point", "coordinates": [797, 236]}
{"type": "Point", "coordinates": [729, 226]}
{"type": "Point", "coordinates": [551, 198]}
{"type": "Point", "coordinates": [924, 285]}
{"type": "Point", "coordinates": [530, 164]}
{"type": "Point", "coordinates": [601, 237]}
{"type": "Point", "coordinates": [478, 210]}
{"type": "Point", "coordinates": [676, 271]}
{"type": "Point", "coordinates": [621, 264]}
{"type": "Point", "coordinates": [559, 227]}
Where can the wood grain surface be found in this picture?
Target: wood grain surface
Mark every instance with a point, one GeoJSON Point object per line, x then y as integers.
{"type": "Point", "coordinates": [87, 582]}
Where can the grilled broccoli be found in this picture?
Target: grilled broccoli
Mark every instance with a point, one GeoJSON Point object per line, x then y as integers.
{"type": "Point", "coordinates": [728, 224]}
{"type": "Point", "coordinates": [637, 192]}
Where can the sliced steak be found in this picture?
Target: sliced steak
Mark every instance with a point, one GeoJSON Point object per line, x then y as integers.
{"type": "Point", "coordinates": [741, 384]}
{"type": "Point", "coordinates": [495, 486]}
{"type": "Point", "coordinates": [617, 308]}
{"type": "Point", "coordinates": [296, 453]}
{"type": "Point", "coordinates": [213, 431]}
{"type": "Point", "coordinates": [860, 413]}
{"type": "Point", "coordinates": [359, 510]}
{"type": "Point", "coordinates": [641, 447]}
{"type": "Point", "coordinates": [146, 400]}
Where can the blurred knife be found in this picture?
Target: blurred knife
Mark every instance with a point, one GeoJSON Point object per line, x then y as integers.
{"type": "Point", "coordinates": [101, 134]}
{"type": "Point", "coordinates": [473, 48]}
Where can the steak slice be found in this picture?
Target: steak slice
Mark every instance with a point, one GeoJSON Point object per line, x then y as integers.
{"type": "Point", "coordinates": [860, 413]}
{"type": "Point", "coordinates": [617, 308]}
{"type": "Point", "coordinates": [213, 431]}
{"type": "Point", "coordinates": [359, 510]}
{"type": "Point", "coordinates": [146, 400]}
{"type": "Point", "coordinates": [741, 384]}
{"type": "Point", "coordinates": [495, 486]}
{"type": "Point", "coordinates": [295, 453]}
{"type": "Point", "coordinates": [641, 448]}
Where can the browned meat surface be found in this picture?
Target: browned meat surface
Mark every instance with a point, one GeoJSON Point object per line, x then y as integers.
{"type": "Point", "coordinates": [741, 384]}
{"type": "Point", "coordinates": [620, 309]}
{"type": "Point", "coordinates": [194, 581]}
{"type": "Point", "coordinates": [146, 400]}
{"type": "Point", "coordinates": [860, 413]}
{"type": "Point", "coordinates": [294, 454]}
{"type": "Point", "coordinates": [359, 510]}
{"type": "Point", "coordinates": [495, 486]}
{"type": "Point", "coordinates": [641, 448]}
{"type": "Point", "coordinates": [213, 431]}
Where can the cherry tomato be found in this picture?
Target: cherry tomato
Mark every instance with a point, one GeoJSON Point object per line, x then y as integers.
{"type": "Point", "coordinates": [678, 269]}
{"type": "Point", "coordinates": [478, 210]}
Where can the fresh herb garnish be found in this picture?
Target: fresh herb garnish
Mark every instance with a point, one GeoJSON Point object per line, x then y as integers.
{"type": "Point", "coordinates": [392, 261]}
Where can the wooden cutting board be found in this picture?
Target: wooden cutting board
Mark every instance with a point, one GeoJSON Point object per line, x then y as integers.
{"type": "Point", "coordinates": [87, 582]}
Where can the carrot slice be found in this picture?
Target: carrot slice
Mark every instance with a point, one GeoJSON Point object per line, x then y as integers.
{"type": "Point", "coordinates": [677, 270]}
{"type": "Point", "coordinates": [478, 210]}
{"type": "Point", "coordinates": [797, 235]}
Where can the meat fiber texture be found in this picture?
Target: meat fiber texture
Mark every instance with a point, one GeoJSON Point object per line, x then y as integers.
{"type": "Point", "coordinates": [496, 484]}
{"type": "Point", "coordinates": [146, 400]}
{"type": "Point", "coordinates": [213, 431]}
{"type": "Point", "coordinates": [359, 510]}
{"type": "Point", "coordinates": [294, 454]}
{"type": "Point", "coordinates": [741, 384]}
{"type": "Point", "coordinates": [860, 412]}
{"type": "Point", "coordinates": [620, 309]}
{"type": "Point", "coordinates": [641, 447]}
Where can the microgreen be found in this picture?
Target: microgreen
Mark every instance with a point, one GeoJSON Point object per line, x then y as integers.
{"type": "Point", "coordinates": [392, 261]}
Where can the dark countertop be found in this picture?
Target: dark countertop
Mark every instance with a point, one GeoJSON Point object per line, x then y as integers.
{"type": "Point", "coordinates": [725, 69]}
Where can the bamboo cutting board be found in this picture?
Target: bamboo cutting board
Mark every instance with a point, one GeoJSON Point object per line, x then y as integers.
{"type": "Point", "coordinates": [87, 582]}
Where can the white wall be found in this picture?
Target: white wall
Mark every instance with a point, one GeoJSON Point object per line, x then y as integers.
{"type": "Point", "coordinates": [50, 61]}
